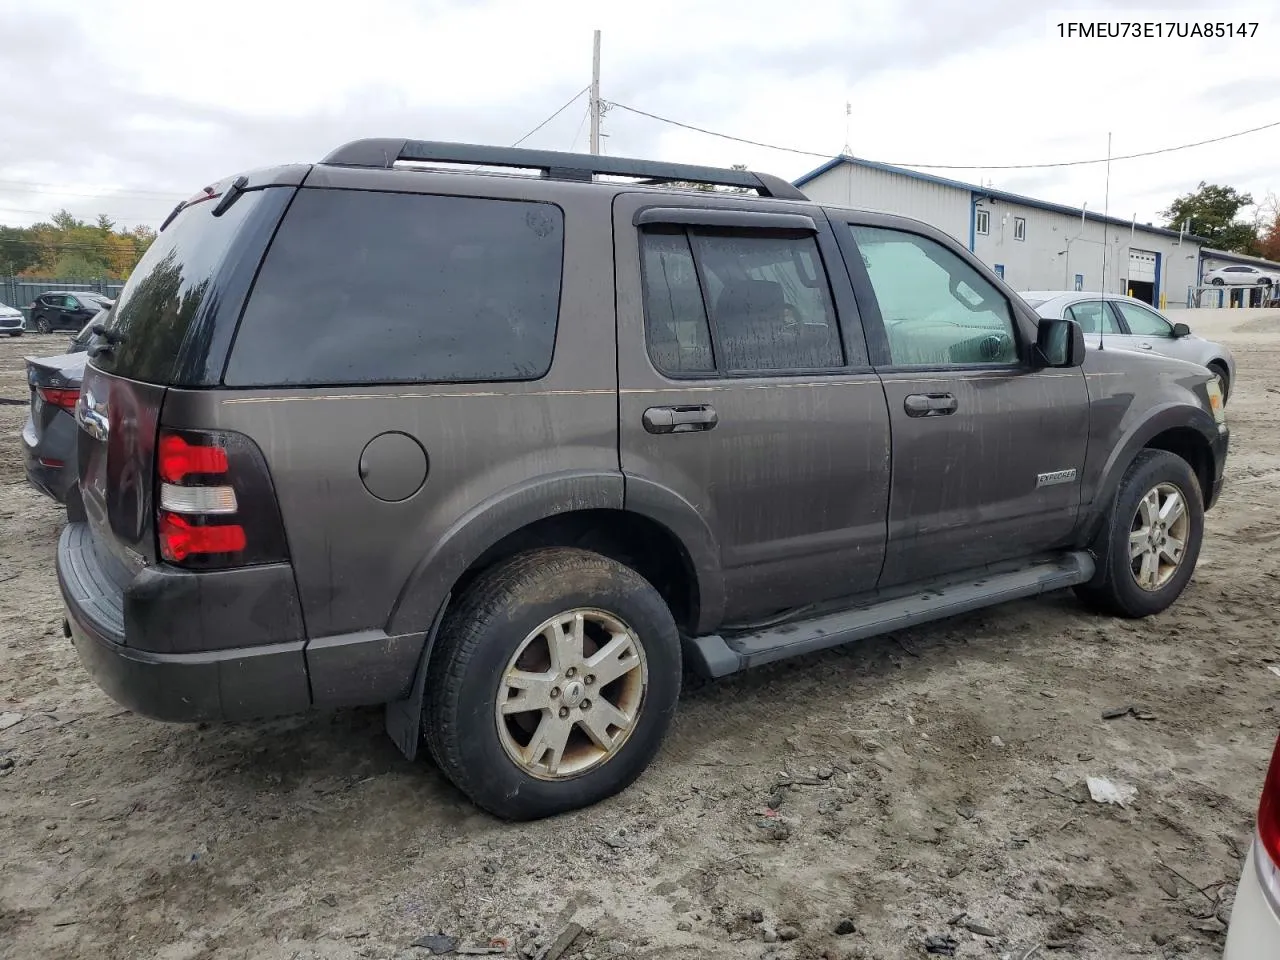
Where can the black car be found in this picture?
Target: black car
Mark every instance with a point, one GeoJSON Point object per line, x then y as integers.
{"type": "Point", "coordinates": [49, 435]}
{"type": "Point", "coordinates": [66, 310]}
{"type": "Point", "coordinates": [80, 342]}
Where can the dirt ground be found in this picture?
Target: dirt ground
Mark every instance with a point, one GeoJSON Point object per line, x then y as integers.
{"type": "Point", "coordinates": [937, 772]}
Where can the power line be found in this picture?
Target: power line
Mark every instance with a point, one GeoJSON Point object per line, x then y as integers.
{"type": "Point", "coordinates": [562, 109]}
{"type": "Point", "coordinates": [581, 123]}
{"type": "Point", "coordinates": [949, 166]}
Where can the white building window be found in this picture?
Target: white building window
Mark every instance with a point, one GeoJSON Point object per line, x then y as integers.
{"type": "Point", "coordinates": [1019, 228]}
{"type": "Point", "coordinates": [984, 222]}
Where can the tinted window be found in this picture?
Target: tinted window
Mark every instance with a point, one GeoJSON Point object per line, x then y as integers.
{"type": "Point", "coordinates": [1088, 315]}
{"type": "Point", "coordinates": [674, 319]}
{"type": "Point", "coordinates": [167, 288]}
{"type": "Point", "coordinates": [937, 309]}
{"type": "Point", "coordinates": [1143, 323]}
{"type": "Point", "coordinates": [365, 287]}
{"type": "Point", "coordinates": [770, 301]}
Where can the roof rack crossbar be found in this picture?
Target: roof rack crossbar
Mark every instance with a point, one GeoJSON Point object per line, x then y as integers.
{"type": "Point", "coordinates": [554, 165]}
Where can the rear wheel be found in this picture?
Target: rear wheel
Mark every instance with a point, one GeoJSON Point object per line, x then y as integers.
{"type": "Point", "coordinates": [552, 684]}
{"type": "Point", "coordinates": [1148, 550]}
{"type": "Point", "coordinates": [42, 325]}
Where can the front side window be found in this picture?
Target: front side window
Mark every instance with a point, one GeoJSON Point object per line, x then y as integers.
{"type": "Point", "coordinates": [765, 295]}
{"type": "Point", "coordinates": [73, 303]}
{"type": "Point", "coordinates": [363, 287]}
{"type": "Point", "coordinates": [1093, 315]}
{"type": "Point", "coordinates": [937, 309]}
{"type": "Point", "coordinates": [1142, 322]}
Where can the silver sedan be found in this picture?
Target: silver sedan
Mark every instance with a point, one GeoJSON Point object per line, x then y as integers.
{"type": "Point", "coordinates": [1129, 324]}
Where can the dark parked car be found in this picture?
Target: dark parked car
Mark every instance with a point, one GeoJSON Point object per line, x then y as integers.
{"type": "Point", "coordinates": [499, 451]}
{"type": "Point", "coordinates": [61, 310]}
{"type": "Point", "coordinates": [11, 321]}
{"type": "Point", "coordinates": [80, 342]}
{"type": "Point", "coordinates": [49, 435]}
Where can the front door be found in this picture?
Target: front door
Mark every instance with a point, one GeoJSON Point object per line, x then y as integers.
{"type": "Point", "coordinates": [987, 450]}
{"type": "Point", "coordinates": [1146, 330]}
{"type": "Point", "coordinates": [746, 398]}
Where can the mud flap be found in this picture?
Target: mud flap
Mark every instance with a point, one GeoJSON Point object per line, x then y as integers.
{"type": "Point", "coordinates": [403, 718]}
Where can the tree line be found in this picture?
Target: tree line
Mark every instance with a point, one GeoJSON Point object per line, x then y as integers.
{"type": "Point", "coordinates": [1216, 213]}
{"type": "Point", "coordinates": [67, 247]}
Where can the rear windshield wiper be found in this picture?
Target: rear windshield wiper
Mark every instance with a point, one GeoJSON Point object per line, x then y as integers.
{"type": "Point", "coordinates": [111, 336]}
{"type": "Point", "coordinates": [231, 195]}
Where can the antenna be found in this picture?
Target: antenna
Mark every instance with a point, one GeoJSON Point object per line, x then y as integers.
{"type": "Point", "coordinates": [1106, 208]}
{"type": "Point", "coordinates": [848, 115]}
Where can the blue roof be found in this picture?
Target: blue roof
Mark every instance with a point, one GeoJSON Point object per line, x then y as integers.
{"type": "Point", "coordinates": [991, 192]}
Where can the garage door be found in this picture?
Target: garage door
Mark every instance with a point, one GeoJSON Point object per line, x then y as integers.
{"type": "Point", "coordinates": [1142, 266]}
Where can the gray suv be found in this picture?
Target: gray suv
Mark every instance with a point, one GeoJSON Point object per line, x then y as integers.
{"type": "Point", "coordinates": [504, 452]}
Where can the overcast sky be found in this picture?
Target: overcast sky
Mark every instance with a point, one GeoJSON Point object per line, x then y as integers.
{"type": "Point", "coordinates": [126, 106]}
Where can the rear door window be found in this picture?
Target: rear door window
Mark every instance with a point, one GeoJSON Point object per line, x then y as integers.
{"type": "Point", "coordinates": [362, 287]}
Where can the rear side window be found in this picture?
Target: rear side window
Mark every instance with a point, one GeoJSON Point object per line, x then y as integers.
{"type": "Point", "coordinates": [766, 293]}
{"type": "Point", "coordinates": [362, 287]}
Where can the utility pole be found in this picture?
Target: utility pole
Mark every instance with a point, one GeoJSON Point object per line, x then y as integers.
{"type": "Point", "coordinates": [594, 106]}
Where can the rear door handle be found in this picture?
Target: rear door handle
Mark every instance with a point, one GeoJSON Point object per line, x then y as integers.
{"type": "Point", "coordinates": [930, 405]}
{"type": "Point", "coordinates": [680, 419]}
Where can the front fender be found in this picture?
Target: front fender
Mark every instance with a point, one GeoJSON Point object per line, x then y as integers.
{"type": "Point", "coordinates": [1167, 416]}
{"type": "Point", "coordinates": [484, 525]}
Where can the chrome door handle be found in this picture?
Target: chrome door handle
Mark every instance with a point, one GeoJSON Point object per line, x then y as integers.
{"type": "Point", "coordinates": [680, 419]}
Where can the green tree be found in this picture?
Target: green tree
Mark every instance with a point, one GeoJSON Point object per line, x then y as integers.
{"type": "Point", "coordinates": [1214, 214]}
{"type": "Point", "coordinates": [105, 223]}
{"type": "Point", "coordinates": [65, 221]}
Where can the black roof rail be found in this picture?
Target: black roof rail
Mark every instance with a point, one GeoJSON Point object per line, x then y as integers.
{"type": "Point", "coordinates": [554, 165]}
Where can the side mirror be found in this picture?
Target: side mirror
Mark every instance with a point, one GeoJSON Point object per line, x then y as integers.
{"type": "Point", "coordinates": [1060, 343]}
{"type": "Point", "coordinates": [1181, 330]}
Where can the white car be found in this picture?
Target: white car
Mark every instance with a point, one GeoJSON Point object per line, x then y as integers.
{"type": "Point", "coordinates": [1128, 324]}
{"type": "Point", "coordinates": [1254, 932]}
{"type": "Point", "coordinates": [11, 321]}
{"type": "Point", "coordinates": [1236, 276]}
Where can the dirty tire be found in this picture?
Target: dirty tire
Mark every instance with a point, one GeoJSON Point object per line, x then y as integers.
{"type": "Point", "coordinates": [1114, 589]}
{"type": "Point", "coordinates": [478, 638]}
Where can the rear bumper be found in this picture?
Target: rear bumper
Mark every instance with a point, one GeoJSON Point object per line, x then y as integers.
{"type": "Point", "coordinates": [235, 683]}
{"type": "Point", "coordinates": [1254, 933]}
{"type": "Point", "coordinates": [216, 645]}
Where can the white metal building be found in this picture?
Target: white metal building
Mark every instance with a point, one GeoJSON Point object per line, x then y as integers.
{"type": "Point", "coordinates": [1033, 244]}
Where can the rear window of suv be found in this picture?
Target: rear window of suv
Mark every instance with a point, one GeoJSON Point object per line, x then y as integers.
{"type": "Point", "coordinates": [364, 287]}
{"type": "Point", "coordinates": [169, 287]}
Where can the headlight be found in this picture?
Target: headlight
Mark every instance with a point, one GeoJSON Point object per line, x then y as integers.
{"type": "Point", "coordinates": [1216, 405]}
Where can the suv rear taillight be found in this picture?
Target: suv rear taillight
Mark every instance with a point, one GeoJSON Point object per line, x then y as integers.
{"type": "Point", "coordinates": [1267, 853]}
{"type": "Point", "coordinates": [215, 504]}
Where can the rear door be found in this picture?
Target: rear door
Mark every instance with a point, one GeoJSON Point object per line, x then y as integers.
{"type": "Point", "coordinates": [746, 396]}
{"type": "Point", "coordinates": [987, 450]}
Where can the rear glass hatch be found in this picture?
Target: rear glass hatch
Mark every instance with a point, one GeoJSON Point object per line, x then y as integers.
{"type": "Point", "coordinates": [171, 326]}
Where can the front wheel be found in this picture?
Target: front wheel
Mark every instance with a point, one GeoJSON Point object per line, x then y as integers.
{"type": "Point", "coordinates": [16, 333]}
{"type": "Point", "coordinates": [1218, 282]}
{"type": "Point", "coordinates": [1148, 550]}
{"type": "Point", "coordinates": [552, 683]}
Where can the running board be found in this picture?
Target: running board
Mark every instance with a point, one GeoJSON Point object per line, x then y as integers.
{"type": "Point", "coordinates": [717, 656]}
